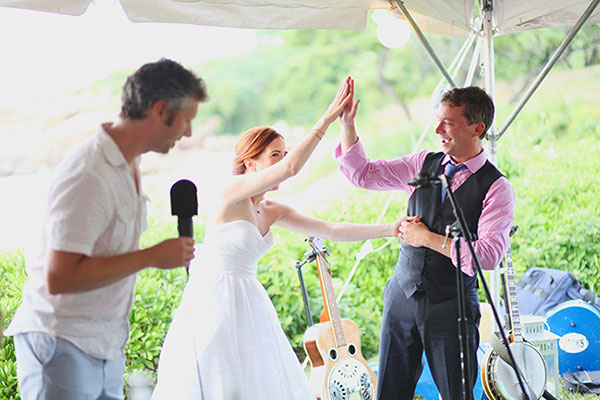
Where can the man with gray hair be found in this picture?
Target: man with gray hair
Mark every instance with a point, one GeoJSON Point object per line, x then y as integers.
{"type": "Point", "coordinates": [420, 307]}
{"type": "Point", "coordinates": [71, 328]}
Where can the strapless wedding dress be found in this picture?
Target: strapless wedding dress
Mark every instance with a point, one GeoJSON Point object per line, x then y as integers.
{"type": "Point", "coordinates": [225, 341]}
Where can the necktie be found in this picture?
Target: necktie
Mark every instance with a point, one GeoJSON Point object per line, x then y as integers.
{"type": "Point", "coordinates": [450, 171]}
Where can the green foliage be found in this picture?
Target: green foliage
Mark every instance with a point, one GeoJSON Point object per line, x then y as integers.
{"type": "Point", "coordinates": [557, 197]}
{"type": "Point", "coordinates": [567, 395]}
{"type": "Point", "coordinates": [157, 294]}
{"type": "Point", "coordinates": [524, 52]}
{"type": "Point", "coordinates": [12, 276]}
{"type": "Point", "coordinates": [239, 86]}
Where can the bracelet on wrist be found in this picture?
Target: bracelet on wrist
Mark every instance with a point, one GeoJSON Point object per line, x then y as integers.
{"type": "Point", "coordinates": [317, 131]}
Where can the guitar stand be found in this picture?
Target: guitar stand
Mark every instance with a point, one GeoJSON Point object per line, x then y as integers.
{"type": "Point", "coordinates": [459, 228]}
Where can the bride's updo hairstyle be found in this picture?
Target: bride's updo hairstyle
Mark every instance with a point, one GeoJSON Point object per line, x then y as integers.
{"type": "Point", "coordinates": [251, 144]}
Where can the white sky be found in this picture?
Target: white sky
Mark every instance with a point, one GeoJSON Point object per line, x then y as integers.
{"type": "Point", "coordinates": [52, 54]}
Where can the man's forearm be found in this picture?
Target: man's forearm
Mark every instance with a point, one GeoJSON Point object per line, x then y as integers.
{"type": "Point", "coordinates": [72, 273]}
{"type": "Point", "coordinates": [349, 136]}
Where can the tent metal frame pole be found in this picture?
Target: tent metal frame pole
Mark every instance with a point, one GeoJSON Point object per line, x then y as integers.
{"type": "Point", "coordinates": [417, 31]}
{"type": "Point", "coordinates": [487, 58]}
{"type": "Point", "coordinates": [462, 54]}
{"type": "Point", "coordinates": [474, 63]}
{"type": "Point", "coordinates": [489, 73]}
{"type": "Point", "coordinates": [553, 60]}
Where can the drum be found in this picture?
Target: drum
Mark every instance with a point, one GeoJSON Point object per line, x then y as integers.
{"type": "Point", "coordinates": [577, 323]}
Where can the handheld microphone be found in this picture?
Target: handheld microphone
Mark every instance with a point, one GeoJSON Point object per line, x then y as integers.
{"type": "Point", "coordinates": [424, 180]}
{"type": "Point", "coordinates": [184, 204]}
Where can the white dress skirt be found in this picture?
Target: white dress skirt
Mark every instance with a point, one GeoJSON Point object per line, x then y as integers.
{"type": "Point", "coordinates": [225, 341]}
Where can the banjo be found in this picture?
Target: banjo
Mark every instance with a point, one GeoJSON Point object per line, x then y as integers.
{"type": "Point", "coordinates": [498, 378]}
{"type": "Point", "coordinates": [338, 369]}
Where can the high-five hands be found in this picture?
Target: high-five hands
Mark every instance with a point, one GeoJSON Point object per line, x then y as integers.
{"type": "Point", "coordinates": [340, 102]}
{"type": "Point", "coordinates": [349, 112]}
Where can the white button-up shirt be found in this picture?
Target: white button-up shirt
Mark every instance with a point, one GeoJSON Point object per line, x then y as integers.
{"type": "Point", "coordinates": [93, 209]}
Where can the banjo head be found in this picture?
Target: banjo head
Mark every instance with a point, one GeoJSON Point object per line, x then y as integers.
{"type": "Point", "coordinates": [502, 379]}
{"type": "Point", "coordinates": [350, 380]}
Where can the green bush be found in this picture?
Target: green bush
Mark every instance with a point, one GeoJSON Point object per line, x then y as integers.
{"type": "Point", "coordinates": [557, 196]}
{"type": "Point", "coordinates": [12, 276]}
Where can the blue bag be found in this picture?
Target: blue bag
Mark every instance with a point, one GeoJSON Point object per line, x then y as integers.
{"type": "Point", "coordinates": [541, 289]}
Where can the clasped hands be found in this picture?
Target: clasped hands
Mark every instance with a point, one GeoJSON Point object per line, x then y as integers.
{"type": "Point", "coordinates": [413, 232]}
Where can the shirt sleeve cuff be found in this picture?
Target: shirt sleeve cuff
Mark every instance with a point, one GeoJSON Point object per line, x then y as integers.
{"type": "Point", "coordinates": [466, 261]}
{"type": "Point", "coordinates": [353, 158]}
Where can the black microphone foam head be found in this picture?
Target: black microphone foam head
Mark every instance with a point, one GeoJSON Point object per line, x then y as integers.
{"type": "Point", "coordinates": [424, 180]}
{"type": "Point", "coordinates": [184, 202]}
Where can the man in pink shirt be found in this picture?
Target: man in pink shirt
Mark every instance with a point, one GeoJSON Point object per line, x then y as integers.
{"type": "Point", "coordinates": [420, 300]}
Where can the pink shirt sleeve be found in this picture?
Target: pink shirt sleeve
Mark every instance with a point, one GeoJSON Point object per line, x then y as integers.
{"type": "Point", "coordinates": [492, 232]}
{"type": "Point", "coordinates": [380, 174]}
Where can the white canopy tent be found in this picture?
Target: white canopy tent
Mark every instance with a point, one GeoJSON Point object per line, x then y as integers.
{"type": "Point", "coordinates": [483, 18]}
{"type": "Point", "coordinates": [441, 16]}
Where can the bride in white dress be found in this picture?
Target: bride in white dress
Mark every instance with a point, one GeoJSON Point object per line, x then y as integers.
{"type": "Point", "coordinates": [225, 341]}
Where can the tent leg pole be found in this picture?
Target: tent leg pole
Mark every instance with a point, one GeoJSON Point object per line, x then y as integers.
{"type": "Point", "coordinates": [553, 60]}
{"type": "Point", "coordinates": [417, 31]}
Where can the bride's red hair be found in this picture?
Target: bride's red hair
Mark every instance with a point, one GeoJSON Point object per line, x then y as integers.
{"type": "Point", "coordinates": [250, 144]}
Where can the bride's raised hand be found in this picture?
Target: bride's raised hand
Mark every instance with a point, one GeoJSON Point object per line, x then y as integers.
{"type": "Point", "coordinates": [339, 103]}
{"type": "Point", "coordinates": [349, 112]}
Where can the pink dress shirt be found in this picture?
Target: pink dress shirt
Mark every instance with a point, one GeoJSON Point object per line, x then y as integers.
{"type": "Point", "coordinates": [497, 212]}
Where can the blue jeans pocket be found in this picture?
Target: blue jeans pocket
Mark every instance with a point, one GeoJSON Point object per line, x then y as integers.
{"type": "Point", "coordinates": [42, 345]}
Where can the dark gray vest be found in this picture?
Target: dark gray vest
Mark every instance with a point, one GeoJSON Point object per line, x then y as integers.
{"type": "Point", "coordinates": [420, 268]}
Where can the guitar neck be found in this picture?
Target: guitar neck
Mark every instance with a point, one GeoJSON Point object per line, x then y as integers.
{"type": "Point", "coordinates": [330, 302]}
{"type": "Point", "coordinates": [511, 294]}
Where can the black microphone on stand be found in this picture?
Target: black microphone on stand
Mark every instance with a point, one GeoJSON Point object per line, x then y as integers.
{"type": "Point", "coordinates": [424, 180]}
{"type": "Point", "coordinates": [184, 204]}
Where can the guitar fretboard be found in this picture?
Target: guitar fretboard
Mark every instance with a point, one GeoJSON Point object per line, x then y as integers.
{"type": "Point", "coordinates": [329, 297]}
{"type": "Point", "coordinates": [511, 290]}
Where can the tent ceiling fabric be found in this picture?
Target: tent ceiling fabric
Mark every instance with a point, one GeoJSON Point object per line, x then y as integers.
{"type": "Point", "coordinates": [257, 14]}
{"type": "Point", "coordinates": [439, 16]}
{"type": "Point", "coordinates": [517, 15]}
{"type": "Point", "coordinates": [69, 7]}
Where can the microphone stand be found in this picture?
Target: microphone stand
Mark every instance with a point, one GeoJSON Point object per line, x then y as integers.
{"type": "Point", "coordinates": [465, 359]}
{"type": "Point", "coordinates": [462, 230]}
{"type": "Point", "coordinates": [309, 257]}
